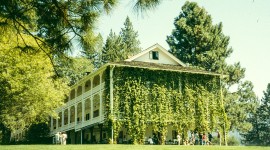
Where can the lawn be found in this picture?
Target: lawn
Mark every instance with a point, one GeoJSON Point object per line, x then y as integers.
{"type": "Point", "coordinates": [127, 147]}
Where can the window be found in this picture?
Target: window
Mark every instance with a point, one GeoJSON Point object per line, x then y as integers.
{"type": "Point", "coordinates": [87, 85]}
{"type": "Point", "coordinates": [87, 117]}
{"type": "Point", "coordinates": [96, 81]}
{"type": "Point", "coordinates": [154, 55]}
{"type": "Point", "coordinates": [174, 134]}
{"type": "Point", "coordinates": [79, 91]}
{"type": "Point", "coordinates": [96, 113]}
{"type": "Point", "coordinates": [72, 94]}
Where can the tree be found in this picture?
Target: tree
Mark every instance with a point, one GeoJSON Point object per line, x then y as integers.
{"type": "Point", "coordinates": [37, 34]}
{"type": "Point", "coordinates": [130, 39]}
{"type": "Point", "coordinates": [29, 90]}
{"type": "Point", "coordinates": [241, 105]}
{"type": "Point", "coordinates": [198, 42]}
{"type": "Point", "coordinates": [120, 47]}
{"type": "Point", "coordinates": [94, 52]}
{"type": "Point", "coordinates": [260, 134]}
{"type": "Point", "coordinates": [112, 50]}
{"type": "Point", "coordinates": [195, 40]}
{"type": "Point", "coordinates": [38, 134]}
{"type": "Point", "coordinates": [74, 68]}
{"type": "Point", "coordinates": [56, 23]}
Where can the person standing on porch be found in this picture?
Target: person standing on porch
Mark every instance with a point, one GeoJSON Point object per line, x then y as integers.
{"type": "Point", "coordinates": [178, 139]}
{"type": "Point", "coordinates": [57, 138]}
{"type": "Point", "coordinates": [150, 141]}
{"type": "Point", "coordinates": [64, 138]}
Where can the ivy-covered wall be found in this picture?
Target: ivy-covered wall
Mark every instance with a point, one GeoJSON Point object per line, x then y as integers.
{"type": "Point", "coordinates": [142, 97]}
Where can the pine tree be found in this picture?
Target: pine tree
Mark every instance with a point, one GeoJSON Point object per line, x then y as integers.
{"type": "Point", "coordinates": [195, 40]}
{"type": "Point", "coordinates": [112, 51]}
{"type": "Point", "coordinates": [120, 47]}
{"type": "Point", "coordinates": [93, 51]}
{"type": "Point", "coordinates": [56, 23]}
{"type": "Point", "coordinates": [130, 39]}
{"type": "Point", "coordinates": [260, 134]}
{"type": "Point", "coordinates": [240, 105]}
{"type": "Point", "coordinates": [200, 43]}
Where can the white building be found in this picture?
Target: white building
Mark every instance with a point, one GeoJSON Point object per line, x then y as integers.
{"type": "Point", "coordinates": [84, 117]}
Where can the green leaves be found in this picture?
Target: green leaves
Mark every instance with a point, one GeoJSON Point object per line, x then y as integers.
{"type": "Point", "coordinates": [259, 134]}
{"type": "Point", "coordinates": [197, 41]}
{"type": "Point", "coordinates": [112, 50]}
{"type": "Point", "coordinates": [57, 23]}
{"type": "Point", "coordinates": [182, 100]}
{"type": "Point", "coordinates": [29, 92]}
{"type": "Point", "coordinates": [122, 46]}
{"type": "Point", "coordinates": [143, 5]}
{"type": "Point", "coordinates": [73, 68]}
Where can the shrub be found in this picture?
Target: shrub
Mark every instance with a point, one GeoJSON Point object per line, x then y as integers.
{"type": "Point", "coordinates": [231, 141]}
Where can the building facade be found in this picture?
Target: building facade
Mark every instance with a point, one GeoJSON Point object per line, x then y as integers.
{"type": "Point", "coordinates": [96, 110]}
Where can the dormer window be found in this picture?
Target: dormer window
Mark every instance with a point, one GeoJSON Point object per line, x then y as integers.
{"type": "Point", "coordinates": [154, 55]}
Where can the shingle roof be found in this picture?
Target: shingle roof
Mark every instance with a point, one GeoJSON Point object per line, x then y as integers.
{"type": "Point", "coordinates": [155, 66]}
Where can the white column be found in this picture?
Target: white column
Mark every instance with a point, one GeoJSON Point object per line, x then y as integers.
{"type": "Point", "coordinates": [91, 100]}
{"type": "Point", "coordinates": [111, 94]}
{"type": "Point", "coordinates": [83, 102]}
{"type": "Point", "coordinates": [83, 88]}
{"type": "Point", "coordinates": [76, 94]}
{"type": "Point", "coordinates": [83, 107]}
{"type": "Point", "coordinates": [51, 123]}
{"type": "Point", "coordinates": [69, 115]}
{"type": "Point", "coordinates": [111, 89]}
{"type": "Point", "coordinates": [76, 110]}
{"type": "Point", "coordinates": [57, 121]}
{"type": "Point", "coordinates": [63, 117]}
{"type": "Point", "coordinates": [100, 96]}
{"type": "Point", "coordinates": [75, 114]}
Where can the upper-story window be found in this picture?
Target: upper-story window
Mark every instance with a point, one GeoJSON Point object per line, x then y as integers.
{"type": "Point", "coordinates": [154, 55]}
{"type": "Point", "coordinates": [87, 85]}
{"type": "Point", "coordinates": [103, 77]}
{"type": "Point", "coordinates": [96, 81]}
{"type": "Point", "coordinates": [79, 91]}
{"type": "Point", "coordinates": [72, 94]}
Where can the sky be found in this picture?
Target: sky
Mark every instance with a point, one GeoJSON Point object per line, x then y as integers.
{"type": "Point", "coordinates": [246, 22]}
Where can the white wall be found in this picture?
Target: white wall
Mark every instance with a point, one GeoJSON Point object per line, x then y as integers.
{"type": "Point", "coordinates": [163, 58]}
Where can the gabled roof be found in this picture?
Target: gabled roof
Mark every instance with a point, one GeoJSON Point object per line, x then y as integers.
{"type": "Point", "coordinates": [160, 48]}
{"type": "Point", "coordinates": [151, 66]}
{"type": "Point", "coordinates": [164, 67]}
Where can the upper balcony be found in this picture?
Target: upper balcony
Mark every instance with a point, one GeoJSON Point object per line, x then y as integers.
{"type": "Point", "coordinates": [87, 86]}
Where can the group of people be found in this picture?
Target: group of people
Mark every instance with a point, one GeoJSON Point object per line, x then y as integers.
{"type": "Point", "coordinates": [153, 140]}
{"type": "Point", "coordinates": [199, 139]}
{"type": "Point", "coordinates": [194, 139]}
{"type": "Point", "coordinates": [61, 138]}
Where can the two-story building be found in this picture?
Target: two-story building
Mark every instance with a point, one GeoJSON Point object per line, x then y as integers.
{"type": "Point", "coordinates": [87, 114]}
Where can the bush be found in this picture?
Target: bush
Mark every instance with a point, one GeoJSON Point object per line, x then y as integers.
{"type": "Point", "coordinates": [38, 134]}
{"type": "Point", "coordinates": [215, 141]}
{"type": "Point", "coordinates": [231, 141]}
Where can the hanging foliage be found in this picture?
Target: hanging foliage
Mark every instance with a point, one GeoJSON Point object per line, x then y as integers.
{"type": "Point", "coordinates": [142, 97]}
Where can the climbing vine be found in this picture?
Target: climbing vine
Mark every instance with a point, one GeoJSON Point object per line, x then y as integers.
{"type": "Point", "coordinates": [145, 97]}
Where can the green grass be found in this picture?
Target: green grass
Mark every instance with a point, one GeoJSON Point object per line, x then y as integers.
{"type": "Point", "coordinates": [127, 147]}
